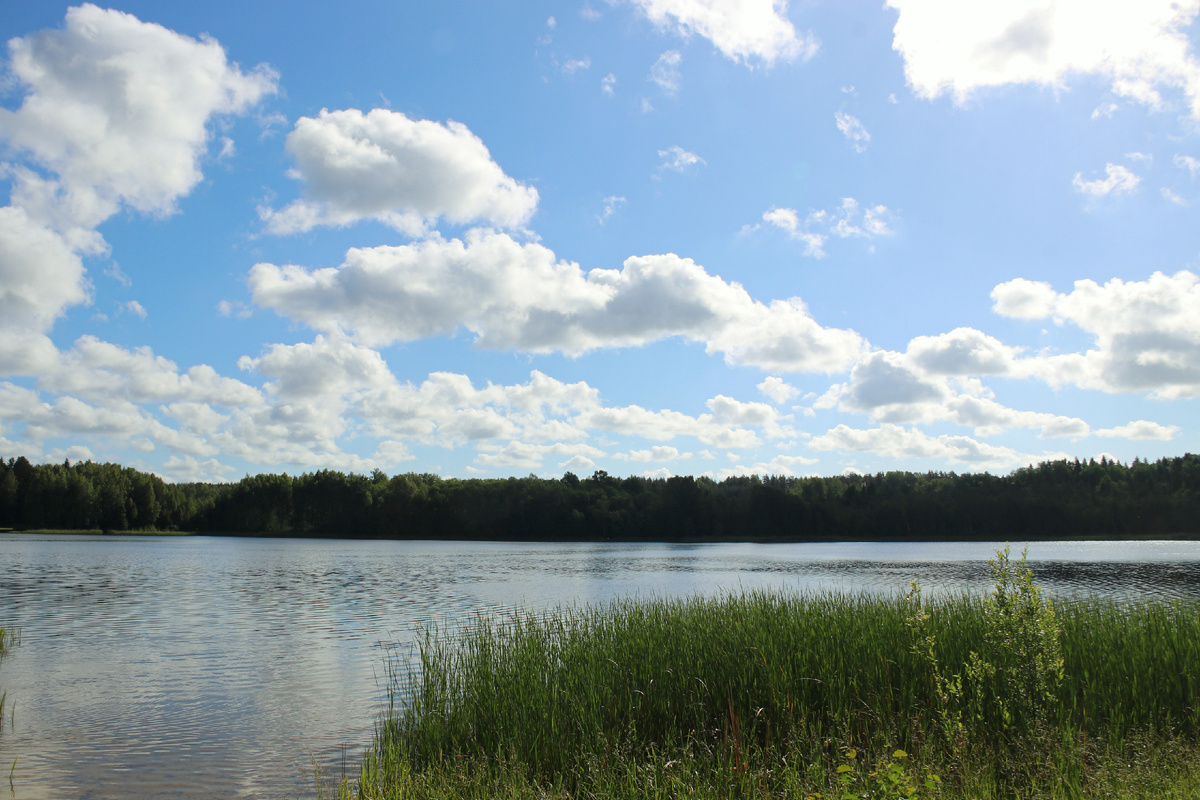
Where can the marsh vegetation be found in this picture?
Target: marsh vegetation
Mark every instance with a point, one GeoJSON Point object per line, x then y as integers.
{"type": "Point", "coordinates": [769, 694]}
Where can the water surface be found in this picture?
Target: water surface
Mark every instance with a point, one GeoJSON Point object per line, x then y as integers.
{"type": "Point", "coordinates": [156, 667]}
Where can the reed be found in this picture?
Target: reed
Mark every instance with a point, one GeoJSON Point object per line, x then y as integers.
{"type": "Point", "coordinates": [9, 637]}
{"type": "Point", "coordinates": [768, 693]}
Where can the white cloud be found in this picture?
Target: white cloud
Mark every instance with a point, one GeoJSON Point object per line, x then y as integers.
{"type": "Point", "coordinates": [40, 274]}
{"type": "Point", "coordinates": [135, 308]}
{"type": "Point", "coordinates": [666, 425]}
{"type": "Point", "coordinates": [896, 442]}
{"type": "Point", "coordinates": [405, 173]}
{"type": "Point", "coordinates": [1105, 110]}
{"type": "Point", "coordinates": [101, 372]}
{"type": "Point", "coordinates": [611, 204]}
{"type": "Point", "coordinates": [962, 351]}
{"type": "Point", "coordinates": [847, 220]}
{"type": "Point", "coordinates": [1024, 299]}
{"type": "Point", "coordinates": [676, 159]}
{"type": "Point", "coordinates": [930, 383]}
{"type": "Point", "coordinates": [1142, 430]}
{"type": "Point", "coordinates": [1119, 181]}
{"type": "Point", "coordinates": [187, 469]}
{"type": "Point", "coordinates": [777, 389]}
{"type": "Point", "coordinates": [116, 110]}
{"type": "Point", "coordinates": [654, 455]}
{"type": "Point", "coordinates": [520, 455]}
{"type": "Point", "coordinates": [577, 462]}
{"type": "Point", "coordinates": [74, 453]}
{"type": "Point", "coordinates": [779, 465]}
{"type": "Point", "coordinates": [1171, 197]}
{"type": "Point", "coordinates": [1147, 333]}
{"type": "Point", "coordinates": [665, 72]}
{"type": "Point", "coordinates": [607, 84]}
{"type": "Point", "coordinates": [573, 65]}
{"type": "Point", "coordinates": [747, 31]}
{"type": "Point", "coordinates": [516, 296]}
{"type": "Point", "coordinates": [1141, 48]}
{"type": "Point", "coordinates": [736, 412]}
{"type": "Point", "coordinates": [230, 308]}
{"type": "Point", "coordinates": [1190, 163]}
{"type": "Point", "coordinates": [854, 131]}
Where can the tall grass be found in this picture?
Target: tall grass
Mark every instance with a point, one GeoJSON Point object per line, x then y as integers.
{"type": "Point", "coordinates": [9, 637]}
{"type": "Point", "coordinates": [765, 694]}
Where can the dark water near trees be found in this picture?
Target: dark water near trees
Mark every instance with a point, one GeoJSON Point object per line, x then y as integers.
{"type": "Point", "coordinates": [213, 667]}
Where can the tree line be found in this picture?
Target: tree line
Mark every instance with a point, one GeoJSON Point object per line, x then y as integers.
{"type": "Point", "coordinates": [1055, 499]}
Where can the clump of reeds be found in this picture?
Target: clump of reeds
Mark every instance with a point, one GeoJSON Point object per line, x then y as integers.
{"type": "Point", "coordinates": [770, 694]}
{"type": "Point", "coordinates": [9, 637]}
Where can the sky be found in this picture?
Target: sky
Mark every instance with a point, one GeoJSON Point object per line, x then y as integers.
{"type": "Point", "coordinates": [651, 237]}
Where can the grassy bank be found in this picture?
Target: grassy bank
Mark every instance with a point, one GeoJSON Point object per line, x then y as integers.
{"type": "Point", "coordinates": [776, 695]}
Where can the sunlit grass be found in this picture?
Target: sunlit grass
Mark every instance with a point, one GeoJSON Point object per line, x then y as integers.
{"type": "Point", "coordinates": [761, 695]}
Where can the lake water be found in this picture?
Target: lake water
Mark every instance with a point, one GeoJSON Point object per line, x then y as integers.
{"type": "Point", "coordinates": [157, 667]}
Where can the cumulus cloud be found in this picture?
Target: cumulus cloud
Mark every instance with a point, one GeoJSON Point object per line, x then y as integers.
{"type": "Point", "coordinates": [118, 108]}
{"type": "Point", "coordinates": [1190, 163]}
{"type": "Point", "coordinates": [608, 84]}
{"type": "Point", "coordinates": [114, 112]}
{"type": "Point", "coordinates": [1141, 48]}
{"type": "Point", "coordinates": [405, 173]}
{"type": "Point", "coordinates": [962, 351]}
{"type": "Point", "coordinates": [1146, 333]}
{"type": "Point", "coordinates": [1119, 181]}
{"type": "Point", "coordinates": [654, 455]}
{"type": "Point", "coordinates": [520, 455]}
{"type": "Point", "coordinates": [854, 131]}
{"type": "Point", "coordinates": [747, 31]}
{"type": "Point", "coordinates": [897, 442]}
{"type": "Point", "coordinates": [188, 469]}
{"type": "Point", "coordinates": [931, 383]}
{"type": "Point", "coordinates": [100, 371]}
{"type": "Point", "coordinates": [848, 220]}
{"type": "Point", "coordinates": [40, 274]}
{"type": "Point", "coordinates": [777, 389]}
{"type": "Point", "coordinates": [517, 296]}
{"type": "Point", "coordinates": [1143, 430]}
{"type": "Point", "coordinates": [779, 465]}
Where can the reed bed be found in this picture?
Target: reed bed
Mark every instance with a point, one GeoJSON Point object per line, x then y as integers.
{"type": "Point", "coordinates": [769, 694]}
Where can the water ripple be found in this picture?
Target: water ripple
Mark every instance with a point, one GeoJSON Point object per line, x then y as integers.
{"type": "Point", "coordinates": [209, 667]}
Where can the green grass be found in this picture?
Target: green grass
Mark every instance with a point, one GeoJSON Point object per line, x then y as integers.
{"type": "Point", "coordinates": [763, 694]}
{"type": "Point", "coordinates": [9, 638]}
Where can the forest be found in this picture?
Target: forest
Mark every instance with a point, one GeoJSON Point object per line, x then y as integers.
{"type": "Point", "coordinates": [1055, 499]}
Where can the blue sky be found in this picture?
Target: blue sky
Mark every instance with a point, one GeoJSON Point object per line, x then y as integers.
{"type": "Point", "coordinates": [651, 237]}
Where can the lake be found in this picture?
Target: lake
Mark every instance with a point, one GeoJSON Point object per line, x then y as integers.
{"type": "Point", "coordinates": [197, 666]}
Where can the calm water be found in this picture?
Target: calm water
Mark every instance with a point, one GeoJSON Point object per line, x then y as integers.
{"type": "Point", "coordinates": [213, 667]}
